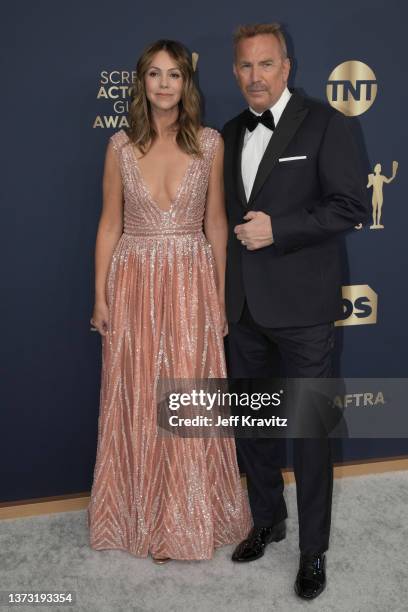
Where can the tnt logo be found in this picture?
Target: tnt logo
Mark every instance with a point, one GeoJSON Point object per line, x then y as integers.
{"type": "Point", "coordinates": [359, 305]}
{"type": "Point", "coordinates": [352, 88]}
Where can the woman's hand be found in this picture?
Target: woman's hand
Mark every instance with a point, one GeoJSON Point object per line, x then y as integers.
{"type": "Point", "coordinates": [100, 318]}
{"type": "Point", "coordinates": [224, 321]}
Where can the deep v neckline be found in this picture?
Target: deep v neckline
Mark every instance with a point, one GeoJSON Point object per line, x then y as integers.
{"type": "Point", "coordinates": [179, 188]}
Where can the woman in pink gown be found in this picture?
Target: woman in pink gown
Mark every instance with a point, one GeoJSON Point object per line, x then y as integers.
{"type": "Point", "coordinates": [159, 307]}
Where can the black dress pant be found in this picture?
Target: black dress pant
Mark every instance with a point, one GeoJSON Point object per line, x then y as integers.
{"type": "Point", "coordinates": [306, 352]}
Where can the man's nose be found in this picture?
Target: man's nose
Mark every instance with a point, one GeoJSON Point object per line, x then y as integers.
{"type": "Point", "coordinates": [255, 74]}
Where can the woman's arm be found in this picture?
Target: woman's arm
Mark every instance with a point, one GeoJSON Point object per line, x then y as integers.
{"type": "Point", "coordinates": [110, 229]}
{"type": "Point", "coordinates": [215, 220]}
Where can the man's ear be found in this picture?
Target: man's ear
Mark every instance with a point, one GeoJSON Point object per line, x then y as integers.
{"type": "Point", "coordinates": [234, 70]}
{"type": "Point", "coordinates": [287, 67]}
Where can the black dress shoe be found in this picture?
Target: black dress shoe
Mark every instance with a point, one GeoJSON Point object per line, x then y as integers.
{"type": "Point", "coordinates": [311, 577]}
{"type": "Point", "coordinates": [253, 546]}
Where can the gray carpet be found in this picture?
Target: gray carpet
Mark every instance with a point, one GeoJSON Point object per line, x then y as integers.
{"type": "Point", "coordinates": [367, 563]}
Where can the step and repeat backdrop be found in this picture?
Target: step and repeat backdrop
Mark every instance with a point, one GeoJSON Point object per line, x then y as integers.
{"type": "Point", "coordinates": [67, 69]}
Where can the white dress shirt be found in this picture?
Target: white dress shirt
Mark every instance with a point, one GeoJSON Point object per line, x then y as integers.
{"type": "Point", "coordinates": [255, 143]}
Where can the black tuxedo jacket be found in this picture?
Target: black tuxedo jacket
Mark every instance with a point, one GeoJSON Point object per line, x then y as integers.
{"type": "Point", "coordinates": [296, 281]}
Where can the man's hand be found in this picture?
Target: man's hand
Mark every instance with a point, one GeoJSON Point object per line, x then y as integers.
{"type": "Point", "coordinates": [257, 232]}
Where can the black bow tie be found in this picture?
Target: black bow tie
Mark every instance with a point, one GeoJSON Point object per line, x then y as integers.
{"type": "Point", "coordinates": [251, 120]}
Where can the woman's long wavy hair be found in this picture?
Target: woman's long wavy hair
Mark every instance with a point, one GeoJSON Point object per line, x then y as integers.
{"type": "Point", "coordinates": [141, 130]}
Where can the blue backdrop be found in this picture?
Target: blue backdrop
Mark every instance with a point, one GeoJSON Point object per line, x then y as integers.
{"type": "Point", "coordinates": [61, 67]}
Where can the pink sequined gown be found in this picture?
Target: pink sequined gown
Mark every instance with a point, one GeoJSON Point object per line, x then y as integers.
{"type": "Point", "coordinates": [170, 497]}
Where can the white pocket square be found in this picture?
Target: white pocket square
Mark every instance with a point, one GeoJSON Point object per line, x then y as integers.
{"type": "Point", "coordinates": [285, 159]}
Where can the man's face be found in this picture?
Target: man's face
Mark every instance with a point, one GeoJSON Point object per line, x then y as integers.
{"type": "Point", "coordinates": [260, 70]}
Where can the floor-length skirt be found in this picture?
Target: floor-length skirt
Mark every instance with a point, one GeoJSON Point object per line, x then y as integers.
{"type": "Point", "coordinates": [164, 495]}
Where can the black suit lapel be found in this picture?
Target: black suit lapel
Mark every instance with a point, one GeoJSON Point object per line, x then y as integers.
{"type": "Point", "coordinates": [237, 148]}
{"type": "Point", "coordinates": [291, 118]}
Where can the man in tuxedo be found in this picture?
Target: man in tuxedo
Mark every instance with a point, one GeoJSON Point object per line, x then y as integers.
{"type": "Point", "coordinates": [293, 183]}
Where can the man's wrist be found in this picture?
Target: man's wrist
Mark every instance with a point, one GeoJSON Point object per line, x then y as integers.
{"type": "Point", "coordinates": [271, 228]}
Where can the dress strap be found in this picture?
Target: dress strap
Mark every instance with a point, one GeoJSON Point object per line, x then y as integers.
{"type": "Point", "coordinates": [119, 139]}
{"type": "Point", "coordinates": [211, 140]}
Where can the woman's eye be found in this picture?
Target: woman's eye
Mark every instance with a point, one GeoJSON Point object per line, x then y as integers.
{"type": "Point", "coordinates": [153, 73]}
{"type": "Point", "coordinates": [175, 75]}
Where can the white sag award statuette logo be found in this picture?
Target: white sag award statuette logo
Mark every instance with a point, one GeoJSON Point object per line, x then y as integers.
{"type": "Point", "coordinates": [376, 183]}
{"type": "Point", "coordinates": [352, 88]}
